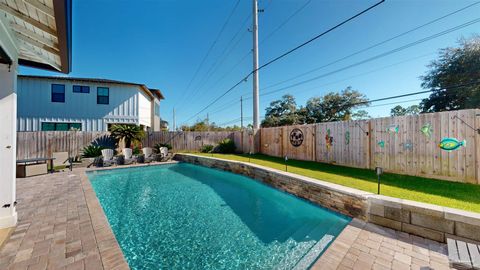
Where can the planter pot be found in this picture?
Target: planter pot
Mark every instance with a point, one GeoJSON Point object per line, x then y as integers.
{"type": "Point", "coordinates": [120, 160]}
{"type": "Point", "coordinates": [141, 159]}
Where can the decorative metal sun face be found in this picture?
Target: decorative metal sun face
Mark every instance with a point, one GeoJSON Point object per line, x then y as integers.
{"type": "Point", "coordinates": [296, 137]}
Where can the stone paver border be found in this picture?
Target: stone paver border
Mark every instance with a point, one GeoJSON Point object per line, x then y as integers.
{"type": "Point", "coordinates": [110, 252]}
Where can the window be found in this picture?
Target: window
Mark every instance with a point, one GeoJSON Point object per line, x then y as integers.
{"type": "Point", "coordinates": [58, 93]}
{"type": "Point", "coordinates": [157, 109]}
{"type": "Point", "coordinates": [51, 126]}
{"type": "Point", "coordinates": [102, 95]}
{"type": "Point", "coordinates": [81, 89]}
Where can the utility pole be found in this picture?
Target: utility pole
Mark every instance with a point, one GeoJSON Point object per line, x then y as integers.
{"type": "Point", "coordinates": [241, 112]}
{"type": "Point", "coordinates": [174, 127]}
{"type": "Point", "coordinates": [256, 102]}
{"type": "Point", "coordinates": [208, 123]}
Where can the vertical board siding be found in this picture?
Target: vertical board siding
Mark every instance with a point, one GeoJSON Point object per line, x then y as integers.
{"type": "Point", "coordinates": [35, 106]}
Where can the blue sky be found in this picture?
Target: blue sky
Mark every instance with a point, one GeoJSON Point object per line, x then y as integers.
{"type": "Point", "coordinates": [162, 43]}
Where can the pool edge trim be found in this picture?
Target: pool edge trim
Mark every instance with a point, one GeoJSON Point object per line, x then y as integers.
{"type": "Point", "coordinates": [111, 254]}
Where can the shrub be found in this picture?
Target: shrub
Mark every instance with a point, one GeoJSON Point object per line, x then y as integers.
{"type": "Point", "coordinates": [158, 145]}
{"type": "Point", "coordinates": [105, 141]}
{"type": "Point", "coordinates": [207, 148]}
{"type": "Point", "coordinates": [225, 146]}
{"type": "Point", "coordinates": [136, 150]}
{"type": "Point", "coordinates": [92, 151]}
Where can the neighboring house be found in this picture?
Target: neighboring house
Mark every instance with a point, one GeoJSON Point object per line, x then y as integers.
{"type": "Point", "coordinates": [163, 125]}
{"type": "Point", "coordinates": [62, 103]}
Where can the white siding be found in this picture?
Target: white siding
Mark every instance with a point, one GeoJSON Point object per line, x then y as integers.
{"type": "Point", "coordinates": [156, 118]}
{"type": "Point", "coordinates": [35, 105]}
{"type": "Point", "coordinates": [144, 109]}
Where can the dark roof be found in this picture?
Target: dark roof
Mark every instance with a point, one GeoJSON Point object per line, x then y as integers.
{"type": "Point", "coordinates": [155, 92]}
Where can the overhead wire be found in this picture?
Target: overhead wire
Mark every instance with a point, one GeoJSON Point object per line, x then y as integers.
{"type": "Point", "coordinates": [288, 53]}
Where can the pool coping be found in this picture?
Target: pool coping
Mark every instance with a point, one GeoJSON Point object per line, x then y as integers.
{"type": "Point", "coordinates": [427, 220]}
{"type": "Point", "coordinates": [111, 254]}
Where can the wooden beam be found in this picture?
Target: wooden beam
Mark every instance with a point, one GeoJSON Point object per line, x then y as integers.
{"type": "Point", "coordinates": [27, 19]}
{"type": "Point", "coordinates": [29, 33]}
{"type": "Point", "coordinates": [37, 44]}
{"type": "Point", "coordinates": [43, 58]}
{"type": "Point", "coordinates": [41, 7]}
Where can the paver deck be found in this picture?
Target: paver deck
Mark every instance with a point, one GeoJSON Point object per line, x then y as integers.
{"type": "Point", "coordinates": [62, 226]}
{"type": "Point", "coordinates": [368, 246]}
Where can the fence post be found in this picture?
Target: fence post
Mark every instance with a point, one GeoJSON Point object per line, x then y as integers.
{"type": "Point", "coordinates": [369, 137]}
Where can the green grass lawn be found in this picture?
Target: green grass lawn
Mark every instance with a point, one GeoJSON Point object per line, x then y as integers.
{"type": "Point", "coordinates": [444, 193]}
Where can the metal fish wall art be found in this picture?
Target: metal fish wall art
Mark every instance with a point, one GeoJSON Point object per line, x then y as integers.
{"type": "Point", "coordinates": [450, 144]}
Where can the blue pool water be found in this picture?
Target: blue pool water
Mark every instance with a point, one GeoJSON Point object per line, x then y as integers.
{"type": "Point", "coordinates": [183, 216]}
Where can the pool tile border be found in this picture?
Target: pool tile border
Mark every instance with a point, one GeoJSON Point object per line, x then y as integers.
{"type": "Point", "coordinates": [111, 254]}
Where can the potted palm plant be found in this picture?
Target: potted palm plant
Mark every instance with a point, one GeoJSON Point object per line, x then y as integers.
{"type": "Point", "coordinates": [128, 133]}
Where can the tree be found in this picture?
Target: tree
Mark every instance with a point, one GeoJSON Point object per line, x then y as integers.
{"type": "Point", "coordinates": [400, 111]}
{"type": "Point", "coordinates": [128, 133]}
{"type": "Point", "coordinates": [453, 77]}
{"type": "Point", "coordinates": [282, 112]}
{"type": "Point", "coordinates": [201, 125]}
{"type": "Point", "coordinates": [360, 115]}
{"type": "Point", "coordinates": [334, 106]}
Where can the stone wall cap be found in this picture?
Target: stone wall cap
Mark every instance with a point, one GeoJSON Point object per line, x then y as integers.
{"type": "Point", "coordinates": [462, 216]}
{"type": "Point", "coordinates": [386, 201]}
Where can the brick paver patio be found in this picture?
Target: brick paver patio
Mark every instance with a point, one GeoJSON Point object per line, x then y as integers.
{"type": "Point", "coordinates": [367, 246]}
{"type": "Point", "coordinates": [62, 226]}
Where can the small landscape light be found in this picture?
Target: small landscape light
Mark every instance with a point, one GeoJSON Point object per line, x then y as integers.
{"type": "Point", "coordinates": [286, 159]}
{"type": "Point", "coordinates": [249, 155]}
{"type": "Point", "coordinates": [378, 171]}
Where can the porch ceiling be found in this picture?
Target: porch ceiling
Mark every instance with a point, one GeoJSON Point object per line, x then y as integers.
{"type": "Point", "coordinates": [42, 32]}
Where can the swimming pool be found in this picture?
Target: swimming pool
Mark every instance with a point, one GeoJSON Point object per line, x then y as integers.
{"type": "Point", "coordinates": [192, 217]}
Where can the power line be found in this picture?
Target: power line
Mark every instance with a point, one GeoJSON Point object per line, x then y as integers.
{"type": "Point", "coordinates": [287, 53]}
{"type": "Point", "coordinates": [269, 35]}
{"type": "Point", "coordinates": [225, 53]}
{"type": "Point", "coordinates": [379, 55]}
{"type": "Point", "coordinates": [262, 41]}
{"type": "Point", "coordinates": [375, 45]}
{"type": "Point", "coordinates": [366, 103]}
{"type": "Point", "coordinates": [362, 50]}
{"type": "Point", "coordinates": [375, 57]}
{"type": "Point", "coordinates": [317, 36]}
{"type": "Point", "coordinates": [211, 47]}
{"type": "Point", "coordinates": [354, 76]}
{"type": "Point", "coordinates": [453, 87]}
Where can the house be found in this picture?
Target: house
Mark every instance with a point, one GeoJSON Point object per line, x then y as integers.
{"type": "Point", "coordinates": [64, 103]}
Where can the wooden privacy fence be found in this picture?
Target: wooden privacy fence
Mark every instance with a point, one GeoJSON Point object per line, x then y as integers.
{"type": "Point", "coordinates": [404, 145]}
{"type": "Point", "coordinates": [44, 143]}
{"type": "Point", "coordinates": [193, 141]}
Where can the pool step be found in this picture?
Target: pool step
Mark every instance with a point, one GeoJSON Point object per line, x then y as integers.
{"type": "Point", "coordinates": [304, 231]}
{"type": "Point", "coordinates": [292, 232]}
{"type": "Point", "coordinates": [312, 255]}
{"type": "Point", "coordinates": [305, 237]}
